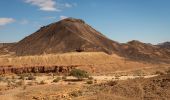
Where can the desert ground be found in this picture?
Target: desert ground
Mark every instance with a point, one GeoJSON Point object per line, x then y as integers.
{"type": "Point", "coordinates": [111, 77]}
{"type": "Point", "coordinates": [43, 87]}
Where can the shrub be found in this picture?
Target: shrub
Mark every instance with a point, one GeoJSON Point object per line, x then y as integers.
{"type": "Point", "coordinates": [22, 77]}
{"type": "Point", "coordinates": [9, 83]}
{"type": "Point", "coordinates": [57, 79]}
{"type": "Point", "coordinates": [168, 71]}
{"type": "Point", "coordinates": [42, 82]}
{"type": "Point", "coordinates": [138, 73]}
{"type": "Point", "coordinates": [31, 77]}
{"type": "Point", "coordinates": [1, 78]}
{"type": "Point", "coordinates": [13, 77]}
{"type": "Point", "coordinates": [112, 83]}
{"type": "Point", "coordinates": [159, 73]}
{"type": "Point", "coordinates": [64, 78]}
{"type": "Point", "coordinates": [76, 93]}
{"type": "Point", "coordinates": [89, 82]}
{"type": "Point", "coordinates": [79, 73]}
{"type": "Point", "coordinates": [95, 81]}
{"type": "Point", "coordinates": [90, 78]}
{"type": "Point", "coordinates": [117, 77]}
{"type": "Point", "coordinates": [24, 87]}
{"type": "Point", "coordinates": [20, 83]}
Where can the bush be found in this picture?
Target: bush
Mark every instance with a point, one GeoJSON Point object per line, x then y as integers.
{"type": "Point", "coordinates": [79, 73]}
{"type": "Point", "coordinates": [112, 83]}
{"type": "Point", "coordinates": [20, 83]}
{"type": "Point", "coordinates": [90, 78]}
{"type": "Point", "coordinates": [168, 71]}
{"type": "Point", "coordinates": [42, 82]}
{"type": "Point", "coordinates": [76, 93]}
{"type": "Point", "coordinates": [24, 87]}
{"type": "Point", "coordinates": [89, 82]}
{"type": "Point", "coordinates": [1, 78]}
{"type": "Point", "coordinates": [159, 73]}
{"type": "Point", "coordinates": [31, 77]}
{"type": "Point", "coordinates": [22, 77]}
{"type": "Point", "coordinates": [64, 78]}
{"type": "Point", "coordinates": [57, 79]}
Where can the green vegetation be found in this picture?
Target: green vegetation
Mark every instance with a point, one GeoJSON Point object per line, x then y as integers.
{"type": "Point", "coordinates": [42, 82]}
{"type": "Point", "coordinates": [89, 82]}
{"type": "Point", "coordinates": [80, 74]}
{"type": "Point", "coordinates": [159, 72]}
{"type": "Point", "coordinates": [64, 78]}
{"type": "Point", "coordinates": [111, 83]}
{"type": "Point", "coordinates": [21, 77]}
{"type": "Point", "coordinates": [90, 78]}
{"type": "Point", "coordinates": [31, 77]}
{"type": "Point", "coordinates": [57, 79]}
{"type": "Point", "coordinates": [1, 78]}
{"type": "Point", "coordinates": [76, 93]}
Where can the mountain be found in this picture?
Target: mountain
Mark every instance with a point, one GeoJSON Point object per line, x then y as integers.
{"type": "Point", "coordinates": [144, 51]}
{"type": "Point", "coordinates": [68, 35]}
{"type": "Point", "coordinates": [4, 47]}
{"type": "Point", "coordinates": [74, 35]}
{"type": "Point", "coordinates": [165, 45]}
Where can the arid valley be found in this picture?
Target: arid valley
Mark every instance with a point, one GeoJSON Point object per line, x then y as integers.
{"type": "Point", "coordinates": [84, 50]}
{"type": "Point", "coordinates": [69, 60]}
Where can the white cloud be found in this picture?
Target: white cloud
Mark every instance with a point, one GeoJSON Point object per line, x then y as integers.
{"type": "Point", "coordinates": [50, 17]}
{"type": "Point", "coordinates": [4, 21]}
{"type": "Point", "coordinates": [63, 17]}
{"type": "Point", "coordinates": [45, 5]}
{"type": "Point", "coordinates": [49, 5]}
{"type": "Point", "coordinates": [24, 22]}
{"type": "Point", "coordinates": [68, 5]}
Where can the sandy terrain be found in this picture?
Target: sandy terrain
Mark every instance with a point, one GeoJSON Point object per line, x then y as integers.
{"type": "Point", "coordinates": [64, 90]}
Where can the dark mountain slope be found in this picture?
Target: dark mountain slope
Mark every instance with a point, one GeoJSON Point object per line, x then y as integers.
{"type": "Point", "coordinates": [68, 35]}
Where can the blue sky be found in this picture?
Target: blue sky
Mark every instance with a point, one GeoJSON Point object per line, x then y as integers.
{"type": "Point", "coordinates": [121, 20]}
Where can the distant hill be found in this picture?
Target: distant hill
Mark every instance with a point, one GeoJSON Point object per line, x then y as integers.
{"type": "Point", "coordinates": [144, 51]}
{"type": "Point", "coordinates": [5, 47]}
{"type": "Point", "coordinates": [165, 45]}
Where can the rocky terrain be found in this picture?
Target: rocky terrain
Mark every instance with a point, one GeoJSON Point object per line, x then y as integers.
{"type": "Point", "coordinates": [41, 87]}
{"type": "Point", "coordinates": [157, 88]}
{"type": "Point", "coordinates": [145, 52]}
{"type": "Point", "coordinates": [39, 66]}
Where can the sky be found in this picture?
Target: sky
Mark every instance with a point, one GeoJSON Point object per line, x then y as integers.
{"type": "Point", "coordinates": [120, 20]}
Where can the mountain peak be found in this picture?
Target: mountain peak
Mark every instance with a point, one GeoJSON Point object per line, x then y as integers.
{"type": "Point", "coordinates": [67, 35]}
{"type": "Point", "coordinates": [70, 19]}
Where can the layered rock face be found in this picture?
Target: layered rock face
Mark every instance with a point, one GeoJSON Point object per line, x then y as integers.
{"type": "Point", "coordinates": [36, 69]}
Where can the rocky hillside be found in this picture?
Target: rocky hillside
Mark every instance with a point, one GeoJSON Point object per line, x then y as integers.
{"type": "Point", "coordinates": [68, 35]}
{"type": "Point", "coordinates": [144, 51]}
{"type": "Point", "coordinates": [165, 45]}
{"type": "Point", "coordinates": [4, 48]}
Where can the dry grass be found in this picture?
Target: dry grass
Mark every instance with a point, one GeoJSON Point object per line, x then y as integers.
{"type": "Point", "coordinates": [98, 62]}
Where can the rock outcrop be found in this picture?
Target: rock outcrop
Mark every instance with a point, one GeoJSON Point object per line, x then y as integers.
{"type": "Point", "coordinates": [36, 69]}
